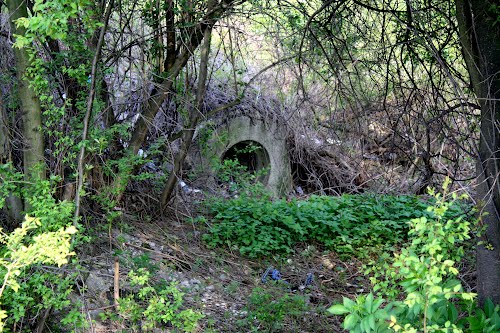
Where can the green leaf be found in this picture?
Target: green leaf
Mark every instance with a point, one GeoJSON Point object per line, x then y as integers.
{"type": "Point", "coordinates": [378, 302]}
{"type": "Point", "coordinates": [348, 303]}
{"type": "Point", "coordinates": [338, 309]}
{"type": "Point", "coordinates": [351, 321]}
{"type": "Point", "coordinates": [371, 321]}
{"type": "Point", "coordinates": [489, 308]}
{"type": "Point", "coordinates": [364, 324]}
{"type": "Point", "coordinates": [369, 303]}
{"type": "Point", "coordinates": [452, 313]}
{"type": "Point", "coordinates": [475, 324]}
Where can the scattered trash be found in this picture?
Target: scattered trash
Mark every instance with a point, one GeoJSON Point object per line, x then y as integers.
{"type": "Point", "coordinates": [299, 190]}
{"type": "Point", "coordinates": [270, 271]}
{"type": "Point", "coordinates": [186, 189]}
{"type": "Point", "coordinates": [309, 279]}
{"type": "Point", "coordinates": [275, 275]}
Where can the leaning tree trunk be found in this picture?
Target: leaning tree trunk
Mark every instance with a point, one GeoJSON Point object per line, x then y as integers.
{"type": "Point", "coordinates": [480, 39]}
{"type": "Point", "coordinates": [188, 132]}
{"type": "Point", "coordinates": [175, 61]}
{"type": "Point", "coordinates": [30, 104]}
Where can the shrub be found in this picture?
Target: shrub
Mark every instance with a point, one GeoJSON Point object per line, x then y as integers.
{"type": "Point", "coordinates": [19, 252]}
{"type": "Point", "coordinates": [267, 310]}
{"type": "Point", "coordinates": [423, 293]}
{"type": "Point", "coordinates": [151, 306]}
{"type": "Point", "coordinates": [44, 237]}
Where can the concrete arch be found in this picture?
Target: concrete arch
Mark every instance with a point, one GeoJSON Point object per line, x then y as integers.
{"type": "Point", "coordinates": [270, 136]}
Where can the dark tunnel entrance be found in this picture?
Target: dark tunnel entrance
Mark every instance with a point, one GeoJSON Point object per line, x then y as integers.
{"type": "Point", "coordinates": [250, 154]}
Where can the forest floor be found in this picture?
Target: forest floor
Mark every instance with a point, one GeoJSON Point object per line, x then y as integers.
{"type": "Point", "coordinates": [234, 293]}
{"type": "Point", "coordinates": [227, 288]}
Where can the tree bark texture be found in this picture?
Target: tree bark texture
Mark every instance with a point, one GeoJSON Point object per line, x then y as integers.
{"type": "Point", "coordinates": [4, 132]}
{"type": "Point", "coordinates": [480, 39]}
{"type": "Point", "coordinates": [30, 104]}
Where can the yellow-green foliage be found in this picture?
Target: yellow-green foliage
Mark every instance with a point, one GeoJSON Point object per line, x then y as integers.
{"type": "Point", "coordinates": [20, 251]}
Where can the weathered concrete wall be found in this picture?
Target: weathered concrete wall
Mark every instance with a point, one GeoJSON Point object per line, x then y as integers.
{"type": "Point", "coordinates": [270, 136]}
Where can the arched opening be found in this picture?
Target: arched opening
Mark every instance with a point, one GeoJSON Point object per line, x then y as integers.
{"type": "Point", "coordinates": [251, 155]}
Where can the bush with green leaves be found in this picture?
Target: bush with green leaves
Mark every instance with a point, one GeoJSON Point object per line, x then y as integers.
{"type": "Point", "coordinates": [238, 177]}
{"type": "Point", "coordinates": [39, 196]}
{"type": "Point", "coordinates": [152, 306]}
{"type": "Point", "coordinates": [46, 237]}
{"type": "Point", "coordinates": [268, 309]}
{"type": "Point", "coordinates": [420, 282]}
{"type": "Point", "coordinates": [20, 286]}
{"type": "Point", "coordinates": [350, 225]}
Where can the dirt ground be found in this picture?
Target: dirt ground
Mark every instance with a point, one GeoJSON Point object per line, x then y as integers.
{"type": "Point", "coordinates": [234, 293]}
{"type": "Point", "coordinates": [218, 282]}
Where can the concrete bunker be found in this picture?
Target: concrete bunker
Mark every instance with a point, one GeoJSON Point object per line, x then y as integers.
{"type": "Point", "coordinates": [256, 144]}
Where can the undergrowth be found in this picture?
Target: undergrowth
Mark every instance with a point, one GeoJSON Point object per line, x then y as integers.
{"type": "Point", "coordinates": [418, 289]}
{"type": "Point", "coordinates": [31, 256]}
{"type": "Point", "coordinates": [152, 306]}
{"type": "Point", "coordinates": [269, 310]}
{"type": "Point", "coordinates": [350, 225]}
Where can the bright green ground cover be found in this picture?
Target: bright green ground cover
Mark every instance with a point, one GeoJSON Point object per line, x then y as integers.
{"type": "Point", "coordinates": [349, 225]}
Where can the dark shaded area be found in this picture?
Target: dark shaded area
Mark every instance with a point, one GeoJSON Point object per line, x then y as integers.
{"type": "Point", "coordinates": [250, 154]}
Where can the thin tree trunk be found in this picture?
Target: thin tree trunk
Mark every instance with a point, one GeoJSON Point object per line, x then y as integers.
{"type": "Point", "coordinates": [480, 39]}
{"type": "Point", "coordinates": [188, 132]}
{"type": "Point", "coordinates": [4, 132]}
{"type": "Point", "coordinates": [30, 104]}
{"type": "Point", "coordinates": [88, 113]}
{"type": "Point", "coordinates": [172, 50]}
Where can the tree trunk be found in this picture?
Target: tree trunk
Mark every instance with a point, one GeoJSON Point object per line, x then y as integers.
{"type": "Point", "coordinates": [30, 104]}
{"type": "Point", "coordinates": [88, 112]}
{"type": "Point", "coordinates": [188, 132]}
{"type": "Point", "coordinates": [480, 39]}
{"type": "Point", "coordinates": [4, 132]}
